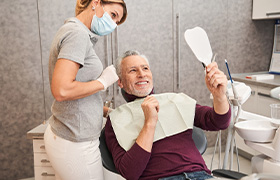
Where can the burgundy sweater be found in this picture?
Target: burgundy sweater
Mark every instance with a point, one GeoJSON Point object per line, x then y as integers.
{"type": "Point", "coordinates": [170, 156]}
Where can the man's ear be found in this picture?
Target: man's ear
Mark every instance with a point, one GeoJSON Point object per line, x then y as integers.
{"type": "Point", "coordinates": [120, 83]}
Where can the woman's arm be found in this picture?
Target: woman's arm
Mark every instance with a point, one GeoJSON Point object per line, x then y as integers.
{"type": "Point", "coordinates": [65, 87]}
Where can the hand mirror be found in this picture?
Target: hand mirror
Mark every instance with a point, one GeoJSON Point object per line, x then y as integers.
{"type": "Point", "coordinates": [198, 41]}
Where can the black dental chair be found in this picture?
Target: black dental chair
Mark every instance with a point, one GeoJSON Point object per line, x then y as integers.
{"type": "Point", "coordinates": [107, 160]}
{"type": "Point", "coordinates": [199, 140]}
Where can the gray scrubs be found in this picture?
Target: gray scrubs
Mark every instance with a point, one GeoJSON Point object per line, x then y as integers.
{"type": "Point", "coordinates": [77, 120]}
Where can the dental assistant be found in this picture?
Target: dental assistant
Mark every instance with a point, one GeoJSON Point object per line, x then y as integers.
{"type": "Point", "coordinates": [76, 77]}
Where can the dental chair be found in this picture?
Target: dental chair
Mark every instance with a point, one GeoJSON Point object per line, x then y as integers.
{"type": "Point", "coordinates": [107, 159]}
{"type": "Point", "coordinates": [199, 140]}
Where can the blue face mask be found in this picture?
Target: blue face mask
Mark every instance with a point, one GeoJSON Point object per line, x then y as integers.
{"type": "Point", "coordinates": [104, 25]}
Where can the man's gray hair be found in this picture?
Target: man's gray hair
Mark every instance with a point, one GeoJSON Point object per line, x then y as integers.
{"type": "Point", "coordinates": [124, 55]}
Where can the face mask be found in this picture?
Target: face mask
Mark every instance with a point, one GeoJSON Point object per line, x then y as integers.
{"type": "Point", "coordinates": [104, 25]}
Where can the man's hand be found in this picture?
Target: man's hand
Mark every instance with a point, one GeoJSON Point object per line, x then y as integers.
{"type": "Point", "coordinates": [216, 82]}
{"type": "Point", "coordinates": [150, 107]}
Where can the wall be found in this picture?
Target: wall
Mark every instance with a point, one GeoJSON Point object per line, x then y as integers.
{"type": "Point", "coordinates": [24, 91]}
{"type": "Point", "coordinates": [25, 98]}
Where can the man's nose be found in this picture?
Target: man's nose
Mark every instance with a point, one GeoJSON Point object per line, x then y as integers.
{"type": "Point", "coordinates": [141, 73]}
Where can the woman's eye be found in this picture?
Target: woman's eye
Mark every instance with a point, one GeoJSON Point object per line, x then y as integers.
{"type": "Point", "coordinates": [113, 15]}
{"type": "Point", "coordinates": [132, 70]}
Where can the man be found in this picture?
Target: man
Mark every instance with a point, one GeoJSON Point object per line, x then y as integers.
{"type": "Point", "coordinates": [170, 157]}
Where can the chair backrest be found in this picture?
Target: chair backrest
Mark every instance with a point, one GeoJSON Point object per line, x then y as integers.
{"type": "Point", "coordinates": [199, 139]}
{"type": "Point", "coordinates": [107, 160]}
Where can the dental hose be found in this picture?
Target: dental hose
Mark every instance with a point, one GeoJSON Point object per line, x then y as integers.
{"type": "Point", "coordinates": [233, 129]}
{"type": "Point", "coordinates": [233, 143]}
{"type": "Point", "coordinates": [215, 148]}
{"type": "Point", "coordinates": [231, 138]}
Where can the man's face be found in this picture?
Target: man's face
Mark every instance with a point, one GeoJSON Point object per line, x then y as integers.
{"type": "Point", "coordinates": [136, 76]}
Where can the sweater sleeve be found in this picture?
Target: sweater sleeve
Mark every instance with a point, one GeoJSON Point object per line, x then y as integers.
{"type": "Point", "coordinates": [207, 119]}
{"type": "Point", "coordinates": [131, 163]}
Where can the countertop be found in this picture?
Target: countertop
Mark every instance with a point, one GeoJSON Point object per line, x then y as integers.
{"type": "Point", "coordinates": [271, 83]}
{"type": "Point", "coordinates": [37, 132]}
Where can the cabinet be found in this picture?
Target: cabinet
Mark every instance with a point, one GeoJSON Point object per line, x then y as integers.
{"type": "Point", "coordinates": [266, 9]}
{"type": "Point", "coordinates": [42, 167]}
{"type": "Point", "coordinates": [259, 100]}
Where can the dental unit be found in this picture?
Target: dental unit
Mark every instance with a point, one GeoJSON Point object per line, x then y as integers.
{"type": "Point", "coordinates": [261, 134]}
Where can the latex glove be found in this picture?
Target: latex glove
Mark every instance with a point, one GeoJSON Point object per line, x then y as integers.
{"type": "Point", "coordinates": [108, 77]}
{"type": "Point", "coordinates": [108, 112]}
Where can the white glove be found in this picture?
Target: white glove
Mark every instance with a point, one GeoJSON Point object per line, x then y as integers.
{"type": "Point", "coordinates": [108, 77]}
{"type": "Point", "coordinates": [108, 112]}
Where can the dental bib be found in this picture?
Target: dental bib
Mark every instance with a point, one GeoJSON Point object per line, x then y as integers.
{"type": "Point", "coordinates": [176, 114]}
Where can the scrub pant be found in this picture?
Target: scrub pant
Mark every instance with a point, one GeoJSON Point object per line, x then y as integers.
{"type": "Point", "coordinates": [73, 160]}
{"type": "Point", "coordinates": [199, 175]}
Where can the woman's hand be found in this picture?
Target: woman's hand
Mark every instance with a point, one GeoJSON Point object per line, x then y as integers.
{"type": "Point", "coordinates": [108, 77]}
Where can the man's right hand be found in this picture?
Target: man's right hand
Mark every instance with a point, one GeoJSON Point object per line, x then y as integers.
{"type": "Point", "coordinates": [150, 107]}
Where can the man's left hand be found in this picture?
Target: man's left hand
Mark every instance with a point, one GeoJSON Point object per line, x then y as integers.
{"type": "Point", "coordinates": [216, 81]}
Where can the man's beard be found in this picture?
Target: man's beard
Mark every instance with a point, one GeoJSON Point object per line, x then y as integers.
{"type": "Point", "coordinates": [142, 93]}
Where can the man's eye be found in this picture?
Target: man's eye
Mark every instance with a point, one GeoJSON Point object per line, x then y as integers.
{"type": "Point", "coordinates": [132, 70]}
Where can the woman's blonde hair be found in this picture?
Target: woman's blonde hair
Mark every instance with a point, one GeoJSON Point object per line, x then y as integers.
{"type": "Point", "coordinates": [81, 5]}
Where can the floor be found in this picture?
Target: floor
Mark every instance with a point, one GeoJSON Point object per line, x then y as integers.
{"type": "Point", "coordinates": [244, 164]}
